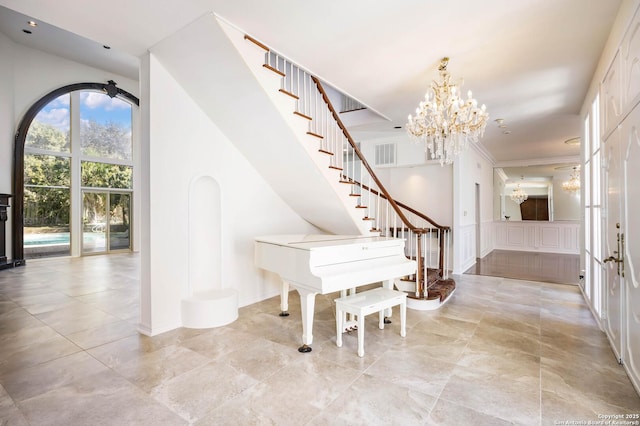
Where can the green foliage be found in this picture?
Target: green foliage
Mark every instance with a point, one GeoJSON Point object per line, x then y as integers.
{"type": "Point", "coordinates": [103, 175]}
{"type": "Point", "coordinates": [51, 206]}
{"type": "Point", "coordinates": [107, 141]}
{"type": "Point", "coordinates": [45, 136]}
{"type": "Point", "coordinates": [46, 206]}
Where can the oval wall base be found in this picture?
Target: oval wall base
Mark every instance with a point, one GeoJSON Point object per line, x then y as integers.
{"type": "Point", "coordinates": [208, 309]}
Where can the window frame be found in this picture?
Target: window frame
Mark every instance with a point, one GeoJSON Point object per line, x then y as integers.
{"type": "Point", "coordinates": [17, 229]}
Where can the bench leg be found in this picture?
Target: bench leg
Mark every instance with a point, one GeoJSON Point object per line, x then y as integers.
{"type": "Point", "coordinates": [339, 330]}
{"type": "Point", "coordinates": [403, 318]}
{"type": "Point", "coordinates": [381, 319]}
{"type": "Point", "coordinates": [360, 335]}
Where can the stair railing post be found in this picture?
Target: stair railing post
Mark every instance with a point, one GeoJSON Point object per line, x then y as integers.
{"type": "Point", "coordinates": [419, 269]}
{"type": "Point", "coordinates": [441, 256]}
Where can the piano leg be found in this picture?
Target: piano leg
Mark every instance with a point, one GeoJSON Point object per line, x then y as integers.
{"type": "Point", "coordinates": [284, 299]}
{"type": "Point", "coordinates": [307, 306]}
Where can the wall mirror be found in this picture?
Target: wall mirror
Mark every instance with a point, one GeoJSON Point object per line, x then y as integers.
{"type": "Point", "coordinates": [546, 198]}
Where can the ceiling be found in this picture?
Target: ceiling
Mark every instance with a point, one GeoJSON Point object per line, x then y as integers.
{"type": "Point", "coordinates": [529, 61]}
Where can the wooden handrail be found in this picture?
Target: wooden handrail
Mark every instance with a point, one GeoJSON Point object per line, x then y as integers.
{"type": "Point", "coordinates": [256, 42]}
{"type": "Point", "coordinates": [441, 228]}
{"type": "Point", "coordinates": [365, 163]}
{"type": "Point", "coordinates": [401, 204]}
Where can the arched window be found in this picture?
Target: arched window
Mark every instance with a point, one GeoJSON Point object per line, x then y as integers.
{"type": "Point", "coordinates": [73, 173]}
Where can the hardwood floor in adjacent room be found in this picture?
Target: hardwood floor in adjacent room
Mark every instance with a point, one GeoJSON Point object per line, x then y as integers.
{"type": "Point", "coordinates": [523, 265]}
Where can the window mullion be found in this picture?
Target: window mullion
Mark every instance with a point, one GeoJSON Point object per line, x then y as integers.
{"type": "Point", "coordinates": [76, 173]}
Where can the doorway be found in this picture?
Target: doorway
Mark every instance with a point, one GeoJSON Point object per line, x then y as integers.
{"type": "Point", "coordinates": [106, 221]}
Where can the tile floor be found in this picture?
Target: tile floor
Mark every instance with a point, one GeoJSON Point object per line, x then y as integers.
{"type": "Point", "coordinates": [500, 352]}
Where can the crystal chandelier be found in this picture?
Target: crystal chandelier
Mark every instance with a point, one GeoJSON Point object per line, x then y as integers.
{"type": "Point", "coordinates": [444, 121]}
{"type": "Point", "coordinates": [518, 195]}
{"type": "Point", "coordinates": [573, 184]}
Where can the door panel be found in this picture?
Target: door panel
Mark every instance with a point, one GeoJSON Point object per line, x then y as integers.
{"type": "Point", "coordinates": [106, 221]}
{"type": "Point", "coordinates": [612, 223]}
{"type": "Point", "coordinates": [94, 221]}
{"type": "Point", "coordinates": [631, 155]}
{"type": "Point", "coordinates": [119, 221]}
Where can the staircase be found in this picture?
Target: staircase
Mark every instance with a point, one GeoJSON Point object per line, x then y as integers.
{"type": "Point", "coordinates": [427, 242]}
{"type": "Point", "coordinates": [298, 143]}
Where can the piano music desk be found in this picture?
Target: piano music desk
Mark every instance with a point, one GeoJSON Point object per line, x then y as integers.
{"type": "Point", "coordinates": [365, 303]}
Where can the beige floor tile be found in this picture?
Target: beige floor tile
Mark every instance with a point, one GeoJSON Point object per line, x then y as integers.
{"type": "Point", "coordinates": [494, 395]}
{"type": "Point", "coordinates": [197, 392]}
{"type": "Point", "coordinates": [154, 368]}
{"type": "Point", "coordinates": [102, 399]}
{"type": "Point", "coordinates": [504, 339]}
{"type": "Point", "coordinates": [33, 381]}
{"type": "Point", "coordinates": [501, 351]}
{"type": "Point", "coordinates": [10, 414]}
{"type": "Point", "coordinates": [447, 413]}
{"type": "Point", "coordinates": [413, 370]}
{"type": "Point", "coordinates": [373, 401]}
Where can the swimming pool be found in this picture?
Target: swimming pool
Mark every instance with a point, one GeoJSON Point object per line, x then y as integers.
{"type": "Point", "coordinates": [46, 239]}
{"type": "Point", "coordinates": [59, 238]}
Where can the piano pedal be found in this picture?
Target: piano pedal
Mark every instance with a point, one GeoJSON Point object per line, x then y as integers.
{"type": "Point", "coordinates": [350, 326]}
{"type": "Point", "coordinates": [284, 314]}
{"type": "Point", "coordinates": [304, 349]}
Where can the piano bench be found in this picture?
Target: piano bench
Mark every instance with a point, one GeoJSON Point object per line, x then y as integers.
{"type": "Point", "coordinates": [365, 303]}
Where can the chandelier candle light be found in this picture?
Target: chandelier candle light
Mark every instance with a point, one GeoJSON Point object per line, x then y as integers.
{"type": "Point", "coordinates": [444, 121]}
{"type": "Point", "coordinates": [573, 184]}
{"type": "Point", "coordinates": [518, 195]}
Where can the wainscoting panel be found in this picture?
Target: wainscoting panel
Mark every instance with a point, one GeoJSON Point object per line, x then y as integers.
{"type": "Point", "coordinates": [545, 237]}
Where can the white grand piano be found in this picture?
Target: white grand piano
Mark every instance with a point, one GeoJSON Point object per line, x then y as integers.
{"type": "Point", "coordinates": [324, 264]}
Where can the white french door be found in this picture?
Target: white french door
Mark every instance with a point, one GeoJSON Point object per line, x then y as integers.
{"type": "Point", "coordinates": [630, 243]}
{"type": "Point", "coordinates": [622, 243]}
{"type": "Point", "coordinates": [613, 258]}
{"type": "Point", "coordinates": [106, 221]}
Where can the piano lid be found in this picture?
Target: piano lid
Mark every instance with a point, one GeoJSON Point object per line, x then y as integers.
{"type": "Point", "coordinates": [312, 241]}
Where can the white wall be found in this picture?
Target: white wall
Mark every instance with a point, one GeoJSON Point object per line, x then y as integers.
{"type": "Point", "coordinates": [446, 194]}
{"type": "Point", "coordinates": [6, 127]}
{"type": "Point", "coordinates": [426, 187]}
{"type": "Point", "coordinates": [184, 143]}
{"type": "Point", "coordinates": [566, 205]}
{"type": "Point", "coordinates": [469, 169]}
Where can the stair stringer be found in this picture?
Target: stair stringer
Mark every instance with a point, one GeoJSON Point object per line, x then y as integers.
{"type": "Point", "coordinates": [274, 142]}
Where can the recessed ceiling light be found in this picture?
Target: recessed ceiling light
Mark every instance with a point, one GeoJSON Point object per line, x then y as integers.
{"type": "Point", "coordinates": [573, 141]}
{"type": "Point", "coordinates": [26, 31]}
{"type": "Point", "coordinates": [502, 126]}
{"type": "Point", "coordinates": [499, 120]}
{"type": "Point", "coordinates": [32, 23]}
{"type": "Point", "coordinates": [507, 132]}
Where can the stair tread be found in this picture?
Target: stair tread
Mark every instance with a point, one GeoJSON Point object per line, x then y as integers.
{"type": "Point", "coordinates": [277, 71]}
{"type": "Point", "coordinates": [289, 94]}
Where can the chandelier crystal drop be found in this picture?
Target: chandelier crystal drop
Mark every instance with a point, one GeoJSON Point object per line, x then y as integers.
{"type": "Point", "coordinates": [518, 195]}
{"type": "Point", "coordinates": [573, 184]}
{"type": "Point", "coordinates": [445, 122]}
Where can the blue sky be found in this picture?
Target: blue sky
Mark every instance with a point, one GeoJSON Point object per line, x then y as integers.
{"type": "Point", "coordinates": [93, 106]}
